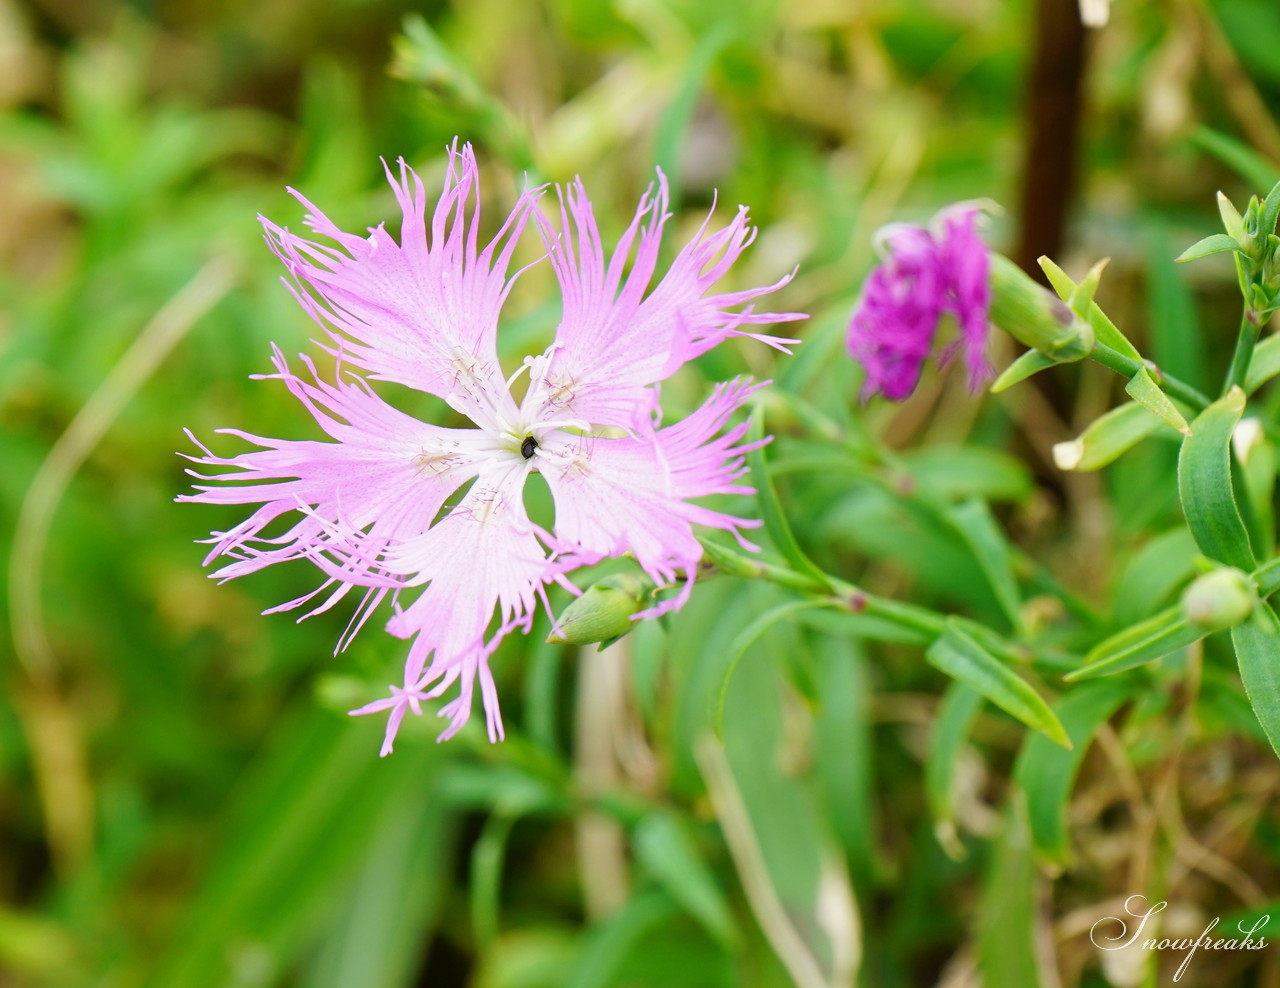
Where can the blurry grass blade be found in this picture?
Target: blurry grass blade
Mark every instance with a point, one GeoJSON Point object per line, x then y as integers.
{"type": "Point", "coordinates": [956, 713]}
{"type": "Point", "coordinates": [380, 933]}
{"type": "Point", "coordinates": [981, 533]}
{"type": "Point", "coordinates": [1143, 389]}
{"type": "Point", "coordinates": [1257, 646]}
{"type": "Point", "coordinates": [1204, 484]}
{"type": "Point", "coordinates": [1009, 911]}
{"type": "Point", "coordinates": [306, 818]}
{"type": "Point", "coordinates": [1258, 171]}
{"type": "Point", "coordinates": [612, 941]}
{"type": "Point", "coordinates": [1144, 642]}
{"type": "Point", "coordinates": [663, 844]}
{"type": "Point", "coordinates": [753, 869]}
{"type": "Point", "coordinates": [843, 751]}
{"type": "Point", "coordinates": [541, 682]}
{"type": "Point", "coordinates": [745, 639]}
{"type": "Point", "coordinates": [1046, 772]}
{"type": "Point", "coordinates": [1265, 364]}
{"type": "Point", "coordinates": [674, 123]}
{"type": "Point", "coordinates": [1152, 574]}
{"type": "Point", "coordinates": [959, 472]}
{"type": "Point", "coordinates": [1031, 362]}
{"type": "Point", "coordinates": [420, 55]}
{"type": "Point", "coordinates": [1106, 438]}
{"type": "Point", "coordinates": [959, 655]}
{"type": "Point", "coordinates": [771, 513]}
{"type": "Point", "coordinates": [486, 877]}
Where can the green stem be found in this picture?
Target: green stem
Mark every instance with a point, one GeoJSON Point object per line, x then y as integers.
{"type": "Point", "coordinates": [1250, 326]}
{"type": "Point", "coordinates": [910, 616]}
{"type": "Point", "coordinates": [1126, 367]}
{"type": "Point", "coordinates": [843, 595]}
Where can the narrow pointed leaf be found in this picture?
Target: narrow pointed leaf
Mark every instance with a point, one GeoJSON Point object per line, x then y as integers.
{"type": "Point", "coordinates": [1062, 282]}
{"type": "Point", "coordinates": [1216, 243]}
{"type": "Point", "coordinates": [1031, 362]}
{"type": "Point", "coordinates": [1088, 287]}
{"type": "Point", "coordinates": [1143, 389]}
{"type": "Point", "coordinates": [1204, 484]}
{"type": "Point", "coordinates": [1144, 642]}
{"type": "Point", "coordinates": [1046, 772]}
{"type": "Point", "coordinates": [771, 513]}
{"type": "Point", "coordinates": [1104, 330]}
{"type": "Point", "coordinates": [956, 714]}
{"type": "Point", "coordinates": [960, 656]}
{"type": "Point", "coordinates": [665, 847]}
{"type": "Point", "coordinates": [981, 533]}
{"type": "Point", "coordinates": [1010, 918]}
{"type": "Point", "coordinates": [1271, 210]}
{"type": "Point", "coordinates": [1257, 645]}
{"type": "Point", "coordinates": [745, 639]}
{"type": "Point", "coordinates": [1267, 578]}
{"type": "Point", "coordinates": [1255, 169]}
{"type": "Point", "coordinates": [1265, 364]}
{"type": "Point", "coordinates": [1107, 438]}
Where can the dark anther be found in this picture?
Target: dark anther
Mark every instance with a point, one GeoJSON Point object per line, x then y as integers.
{"type": "Point", "coordinates": [528, 446]}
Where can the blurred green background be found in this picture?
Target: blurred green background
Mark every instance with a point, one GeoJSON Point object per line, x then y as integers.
{"type": "Point", "coordinates": [183, 801]}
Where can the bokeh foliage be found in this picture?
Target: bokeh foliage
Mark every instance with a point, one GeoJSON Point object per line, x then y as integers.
{"type": "Point", "coordinates": [183, 801]}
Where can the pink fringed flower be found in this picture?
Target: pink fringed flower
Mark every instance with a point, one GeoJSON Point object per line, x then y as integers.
{"type": "Point", "coordinates": [369, 508]}
{"type": "Point", "coordinates": [923, 276]}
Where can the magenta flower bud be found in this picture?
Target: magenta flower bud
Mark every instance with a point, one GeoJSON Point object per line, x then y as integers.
{"type": "Point", "coordinates": [923, 275]}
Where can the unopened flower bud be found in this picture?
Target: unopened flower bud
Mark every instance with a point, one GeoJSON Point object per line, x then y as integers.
{"type": "Point", "coordinates": [1220, 599]}
{"type": "Point", "coordinates": [1033, 315]}
{"type": "Point", "coordinates": [604, 610]}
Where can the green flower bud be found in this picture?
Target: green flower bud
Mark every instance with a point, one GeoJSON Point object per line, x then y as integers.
{"type": "Point", "coordinates": [604, 610]}
{"type": "Point", "coordinates": [1220, 599]}
{"type": "Point", "coordinates": [1032, 314]}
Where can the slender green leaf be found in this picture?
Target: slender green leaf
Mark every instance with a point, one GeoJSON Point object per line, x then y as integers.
{"type": "Point", "coordinates": [1267, 578]}
{"type": "Point", "coordinates": [379, 934]}
{"type": "Point", "coordinates": [1046, 772]}
{"type": "Point", "coordinates": [1265, 364]}
{"type": "Point", "coordinates": [1152, 574]}
{"type": "Point", "coordinates": [771, 513]}
{"type": "Point", "coordinates": [1010, 911]}
{"type": "Point", "coordinates": [959, 472]}
{"type": "Point", "coordinates": [956, 714]}
{"type": "Point", "coordinates": [1204, 484]}
{"type": "Point", "coordinates": [1031, 362]}
{"type": "Point", "coordinates": [843, 753]}
{"type": "Point", "coordinates": [959, 655]}
{"type": "Point", "coordinates": [612, 941]}
{"type": "Point", "coordinates": [745, 639]}
{"type": "Point", "coordinates": [1257, 645]}
{"type": "Point", "coordinates": [1215, 243]}
{"type": "Point", "coordinates": [1144, 642]}
{"type": "Point", "coordinates": [305, 822]}
{"type": "Point", "coordinates": [1106, 438]}
{"type": "Point", "coordinates": [1258, 474]}
{"type": "Point", "coordinates": [486, 877]}
{"type": "Point", "coordinates": [673, 125]}
{"type": "Point", "coordinates": [1258, 171]}
{"type": "Point", "coordinates": [981, 533]}
{"type": "Point", "coordinates": [1143, 389]}
{"type": "Point", "coordinates": [1177, 338]}
{"type": "Point", "coordinates": [665, 847]}
{"type": "Point", "coordinates": [1104, 329]}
